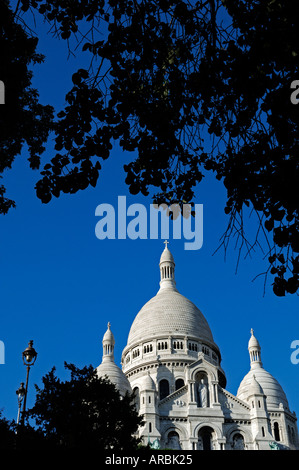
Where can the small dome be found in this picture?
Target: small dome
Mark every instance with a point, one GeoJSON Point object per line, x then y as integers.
{"type": "Point", "coordinates": [108, 336]}
{"type": "Point", "coordinates": [108, 368]}
{"type": "Point", "coordinates": [255, 388]}
{"type": "Point", "coordinates": [253, 342]}
{"type": "Point", "coordinates": [166, 256]}
{"type": "Point", "coordinates": [148, 383]}
{"type": "Point", "coordinates": [270, 387]}
{"type": "Point", "coordinates": [112, 372]}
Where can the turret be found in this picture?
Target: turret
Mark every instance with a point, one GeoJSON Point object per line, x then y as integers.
{"type": "Point", "coordinates": [254, 352]}
{"type": "Point", "coordinates": [167, 266]}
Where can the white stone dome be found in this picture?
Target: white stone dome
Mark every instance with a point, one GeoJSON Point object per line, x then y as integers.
{"type": "Point", "coordinates": [169, 313]}
{"type": "Point", "coordinates": [270, 386]}
{"type": "Point", "coordinates": [108, 336]}
{"type": "Point", "coordinates": [253, 342]}
{"type": "Point", "coordinates": [166, 256]}
{"type": "Point", "coordinates": [255, 388]}
{"type": "Point", "coordinates": [108, 368]}
{"type": "Point", "coordinates": [112, 372]}
{"type": "Point", "coordinates": [148, 383]}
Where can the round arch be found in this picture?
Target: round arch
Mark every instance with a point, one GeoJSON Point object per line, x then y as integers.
{"type": "Point", "coordinates": [206, 438]}
{"type": "Point", "coordinates": [237, 439]}
{"type": "Point", "coordinates": [163, 388]}
{"type": "Point", "coordinates": [213, 428]}
{"type": "Point", "coordinates": [203, 370]}
{"type": "Point", "coordinates": [169, 439]}
{"type": "Point", "coordinates": [136, 398]}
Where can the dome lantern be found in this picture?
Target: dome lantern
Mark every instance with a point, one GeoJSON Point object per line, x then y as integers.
{"type": "Point", "coordinates": [254, 352]}
{"type": "Point", "coordinates": [108, 344]}
{"type": "Point", "coordinates": [167, 266]}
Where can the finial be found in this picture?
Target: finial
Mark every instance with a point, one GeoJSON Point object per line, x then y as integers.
{"type": "Point", "coordinates": [166, 243]}
{"type": "Point", "coordinates": [251, 331]}
{"type": "Point", "coordinates": [108, 325]}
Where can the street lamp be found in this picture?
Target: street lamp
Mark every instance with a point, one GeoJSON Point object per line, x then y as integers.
{"type": "Point", "coordinates": [21, 393]}
{"type": "Point", "coordinates": [29, 358]}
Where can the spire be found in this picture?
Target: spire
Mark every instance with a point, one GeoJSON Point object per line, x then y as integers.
{"type": "Point", "coordinates": [167, 269]}
{"type": "Point", "coordinates": [108, 345]}
{"type": "Point", "coordinates": [255, 388]}
{"type": "Point", "coordinates": [254, 352]}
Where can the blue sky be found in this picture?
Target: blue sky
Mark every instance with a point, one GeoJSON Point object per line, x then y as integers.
{"type": "Point", "coordinates": [60, 285]}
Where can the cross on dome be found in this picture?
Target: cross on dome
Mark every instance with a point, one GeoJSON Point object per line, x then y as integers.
{"type": "Point", "coordinates": [166, 243]}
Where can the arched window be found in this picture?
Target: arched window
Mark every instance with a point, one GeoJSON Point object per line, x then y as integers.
{"type": "Point", "coordinates": [179, 383]}
{"type": "Point", "coordinates": [205, 438]}
{"type": "Point", "coordinates": [163, 389]}
{"type": "Point", "coordinates": [238, 442]}
{"type": "Point", "coordinates": [136, 399]}
{"type": "Point", "coordinates": [276, 431]}
{"type": "Point", "coordinates": [293, 440]}
{"type": "Point", "coordinates": [173, 441]}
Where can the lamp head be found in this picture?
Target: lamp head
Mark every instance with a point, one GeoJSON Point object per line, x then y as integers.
{"type": "Point", "coordinates": [29, 355]}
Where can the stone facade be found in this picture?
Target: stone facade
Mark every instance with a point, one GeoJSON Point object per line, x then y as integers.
{"type": "Point", "coordinates": [173, 366]}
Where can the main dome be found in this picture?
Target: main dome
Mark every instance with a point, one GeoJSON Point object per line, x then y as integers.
{"type": "Point", "coordinates": [169, 313]}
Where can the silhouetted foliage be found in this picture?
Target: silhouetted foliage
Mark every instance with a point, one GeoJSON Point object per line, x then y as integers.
{"type": "Point", "coordinates": [85, 412]}
{"type": "Point", "coordinates": [7, 433]}
{"type": "Point", "coordinates": [23, 120]}
{"type": "Point", "coordinates": [189, 87]}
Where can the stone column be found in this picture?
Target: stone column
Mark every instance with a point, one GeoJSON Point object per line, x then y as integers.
{"type": "Point", "coordinates": [192, 394]}
{"type": "Point", "coordinates": [215, 400]}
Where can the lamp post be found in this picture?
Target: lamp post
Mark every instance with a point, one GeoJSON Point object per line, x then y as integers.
{"type": "Point", "coordinates": [21, 393]}
{"type": "Point", "coordinates": [29, 358]}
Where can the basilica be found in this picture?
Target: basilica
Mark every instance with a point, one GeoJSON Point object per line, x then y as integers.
{"type": "Point", "coordinates": [173, 366]}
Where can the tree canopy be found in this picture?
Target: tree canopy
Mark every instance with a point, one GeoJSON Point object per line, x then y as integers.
{"type": "Point", "coordinates": [187, 87]}
{"type": "Point", "coordinates": [85, 412]}
{"type": "Point", "coordinates": [23, 120]}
